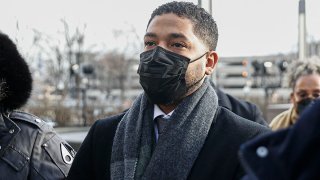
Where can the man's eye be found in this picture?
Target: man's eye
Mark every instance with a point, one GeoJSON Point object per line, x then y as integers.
{"type": "Point", "coordinates": [149, 43]}
{"type": "Point", "coordinates": [316, 95]}
{"type": "Point", "coordinates": [179, 45]}
{"type": "Point", "coordinates": [302, 95]}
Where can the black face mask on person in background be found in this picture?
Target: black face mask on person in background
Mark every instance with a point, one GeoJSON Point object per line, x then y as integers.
{"type": "Point", "coordinates": [303, 104]}
{"type": "Point", "coordinates": [162, 75]}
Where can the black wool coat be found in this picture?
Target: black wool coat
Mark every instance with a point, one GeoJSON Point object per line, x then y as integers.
{"type": "Point", "coordinates": [217, 159]}
{"type": "Point", "coordinates": [240, 107]}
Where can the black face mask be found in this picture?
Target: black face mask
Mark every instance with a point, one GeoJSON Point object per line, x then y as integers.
{"type": "Point", "coordinates": [162, 75]}
{"type": "Point", "coordinates": [303, 104]}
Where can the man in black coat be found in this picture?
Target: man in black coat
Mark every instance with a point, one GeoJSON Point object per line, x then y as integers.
{"type": "Point", "coordinates": [175, 129]}
{"type": "Point", "coordinates": [29, 147]}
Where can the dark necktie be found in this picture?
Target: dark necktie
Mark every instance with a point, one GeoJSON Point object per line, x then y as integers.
{"type": "Point", "coordinates": [161, 123]}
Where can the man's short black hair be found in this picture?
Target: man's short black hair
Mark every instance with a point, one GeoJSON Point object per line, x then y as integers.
{"type": "Point", "coordinates": [204, 26]}
{"type": "Point", "coordinates": [15, 77]}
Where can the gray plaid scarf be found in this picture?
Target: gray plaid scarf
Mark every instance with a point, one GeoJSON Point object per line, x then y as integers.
{"type": "Point", "coordinates": [134, 155]}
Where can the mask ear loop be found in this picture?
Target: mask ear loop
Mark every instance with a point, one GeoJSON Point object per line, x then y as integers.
{"type": "Point", "coordinates": [198, 58]}
{"type": "Point", "coordinates": [204, 75]}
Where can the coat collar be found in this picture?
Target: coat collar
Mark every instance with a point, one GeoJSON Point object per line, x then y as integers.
{"type": "Point", "coordinates": [223, 99]}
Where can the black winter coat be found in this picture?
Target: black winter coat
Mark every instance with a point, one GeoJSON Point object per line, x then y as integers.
{"type": "Point", "coordinates": [216, 160]}
{"type": "Point", "coordinates": [291, 153]}
{"type": "Point", "coordinates": [30, 149]}
{"type": "Point", "coordinates": [240, 107]}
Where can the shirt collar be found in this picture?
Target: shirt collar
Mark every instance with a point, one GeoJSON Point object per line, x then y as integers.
{"type": "Point", "coordinates": [158, 112]}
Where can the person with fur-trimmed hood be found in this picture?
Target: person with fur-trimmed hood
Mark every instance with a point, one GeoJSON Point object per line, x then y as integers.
{"type": "Point", "coordinates": [29, 148]}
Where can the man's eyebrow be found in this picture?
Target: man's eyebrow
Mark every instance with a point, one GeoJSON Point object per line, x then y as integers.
{"type": "Point", "coordinates": [171, 36]}
{"type": "Point", "coordinates": [177, 35]}
{"type": "Point", "coordinates": [150, 35]}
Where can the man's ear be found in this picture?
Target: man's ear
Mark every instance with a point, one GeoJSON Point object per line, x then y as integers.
{"type": "Point", "coordinates": [292, 98]}
{"type": "Point", "coordinates": [212, 59]}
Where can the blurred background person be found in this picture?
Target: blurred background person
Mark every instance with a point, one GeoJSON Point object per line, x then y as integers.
{"type": "Point", "coordinates": [291, 153]}
{"type": "Point", "coordinates": [29, 148]}
{"type": "Point", "coordinates": [304, 79]}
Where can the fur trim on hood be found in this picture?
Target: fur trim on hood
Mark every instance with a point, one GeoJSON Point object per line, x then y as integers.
{"type": "Point", "coordinates": [15, 77]}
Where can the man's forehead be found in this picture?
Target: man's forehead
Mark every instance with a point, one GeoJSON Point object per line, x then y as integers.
{"type": "Point", "coordinates": [170, 26]}
{"type": "Point", "coordinates": [170, 20]}
{"type": "Point", "coordinates": [171, 16]}
{"type": "Point", "coordinates": [310, 79]}
{"type": "Point", "coordinates": [307, 88]}
{"type": "Point", "coordinates": [302, 89]}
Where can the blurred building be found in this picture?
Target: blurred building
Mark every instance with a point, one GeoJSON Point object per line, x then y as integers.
{"type": "Point", "coordinates": [253, 75]}
{"type": "Point", "coordinates": [314, 48]}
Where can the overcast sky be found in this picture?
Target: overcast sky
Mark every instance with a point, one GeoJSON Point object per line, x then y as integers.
{"type": "Point", "coordinates": [246, 27]}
